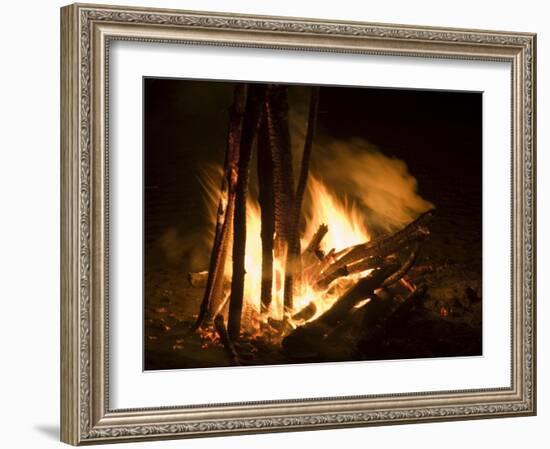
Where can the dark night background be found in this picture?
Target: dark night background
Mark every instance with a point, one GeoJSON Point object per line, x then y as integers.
{"type": "Point", "coordinates": [438, 135]}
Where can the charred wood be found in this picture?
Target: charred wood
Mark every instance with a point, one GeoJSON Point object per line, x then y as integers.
{"type": "Point", "coordinates": [311, 334]}
{"type": "Point", "coordinates": [413, 232]}
{"type": "Point", "coordinates": [357, 267]}
{"type": "Point", "coordinates": [369, 263]}
{"type": "Point", "coordinates": [224, 219]}
{"type": "Point", "coordinates": [276, 112]}
{"type": "Point", "coordinates": [304, 169]}
{"type": "Point", "coordinates": [313, 253]}
{"type": "Point", "coordinates": [267, 210]}
{"type": "Point", "coordinates": [360, 291]}
{"type": "Point", "coordinates": [251, 122]}
{"type": "Point", "coordinates": [293, 259]}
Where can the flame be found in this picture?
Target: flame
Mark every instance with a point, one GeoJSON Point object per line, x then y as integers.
{"type": "Point", "coordinates": [345, 228]}
{"type": "Point", "coordinates": [380, 183]}
{"type": "Point", "coordinates": [379, 189]}
{"type": "Point", "coordinates": [344, 219]}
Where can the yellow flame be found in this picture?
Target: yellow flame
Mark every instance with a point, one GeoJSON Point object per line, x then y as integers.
{"type": "Point", "coordinates": [345, 228]}
{"type": "Point", "coordinates": [345, 222]}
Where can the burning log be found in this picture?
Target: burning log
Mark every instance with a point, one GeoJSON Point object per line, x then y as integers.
{"type": "Point", "coordinates": [293, 258]}
{"type": "Point", "coordinates": [226, 206]}
{"type": "Point", "coordinates": [310, 335]}
{"type": "Point", "coordinates": [276, 111]}
{"type": "Point", "coordinates": [369, 263]}
{"type": "Point", "coordinates": [226, 341]}
{"type": "Point", "coordinates": [313, 252]}
{"type": "Point", "coordinates": [312, 257]}
{"type": "Point", "coordinates": [266, 201]}
{"type": "Point", "coordinates": [360, 291]}
{"type": "Point", "coordinates": [366, 264]}
{"type": "Point", "coordinates": [251, 122]}
{"type": "Point", "coordinates": [308, 145]}
{"type": "Point", "coordinates": [260, 114]}
{"type": "Point", "coordinates": [413, 232]}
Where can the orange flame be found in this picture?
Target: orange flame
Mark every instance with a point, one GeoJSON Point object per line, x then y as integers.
{"type": "Point", "coordinates": [375, 183]}
{"type": "Point", "coordinates": [345, 228]}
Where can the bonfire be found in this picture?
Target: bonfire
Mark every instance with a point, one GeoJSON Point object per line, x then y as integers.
{"type": "Point", "coordinates": [279, 275]}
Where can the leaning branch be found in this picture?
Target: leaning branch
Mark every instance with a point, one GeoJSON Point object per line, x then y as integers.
{"type": "Point", "coordinates": [251, 123]}
{"type": "Point", "coordinates": [414, 231]}
{"type": "Point", "coordinates": [224, 220]}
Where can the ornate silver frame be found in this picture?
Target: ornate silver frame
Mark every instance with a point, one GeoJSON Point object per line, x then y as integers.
{"type": "Point", "coordinates": [86, 31]}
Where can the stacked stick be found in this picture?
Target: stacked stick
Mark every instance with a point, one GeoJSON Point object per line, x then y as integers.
{"type": "Point", "coordinates": [258, 121]}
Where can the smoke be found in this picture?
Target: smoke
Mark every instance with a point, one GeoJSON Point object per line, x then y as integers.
{"type": "Point", "coordinates": [188, 245]}
{"type": "Point", "coordinates": [357, 172]}
{"type": "Point", "coordinates": [381, 184]}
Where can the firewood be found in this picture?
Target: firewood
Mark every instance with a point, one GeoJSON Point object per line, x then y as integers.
{"type": "Point", "coordinates": [365, 264]}
{"type": "Point", "coordinates": [276, 112]}
{"type": "Point", "coordinates": [360, 291]}
{"type": "Point", "coordinates": [312, 253]}
{"type": "Point", "coordinates": [414, 231]}
{"type": "Point", "coordinates": [312, 256]}
{"type": "Point", "coordinates": [267, 211]}
{"type": "Point", "coordinates": [369, 263]}
{"type": "Point", "coordinates": [226, 341]}
{"type": "Point", "coordinates": [312, 333]}
{"type": "Point", "coordinates": [251, 122]}
{"type": "Point", "coordinates": [294, 261]}
{"type": "Point", "coordinates": [304, 168]}
{"type": "Point", "coordinates": [226, 206]}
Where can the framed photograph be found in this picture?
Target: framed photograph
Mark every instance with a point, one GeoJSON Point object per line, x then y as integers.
{"type": "Point", "coordinates": [280, 224]}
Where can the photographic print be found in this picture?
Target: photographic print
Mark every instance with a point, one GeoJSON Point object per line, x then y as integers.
{"type": "Point", "coordinates": [293, 202]}
{"type": "Point", "coordinates": [302, 224]}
